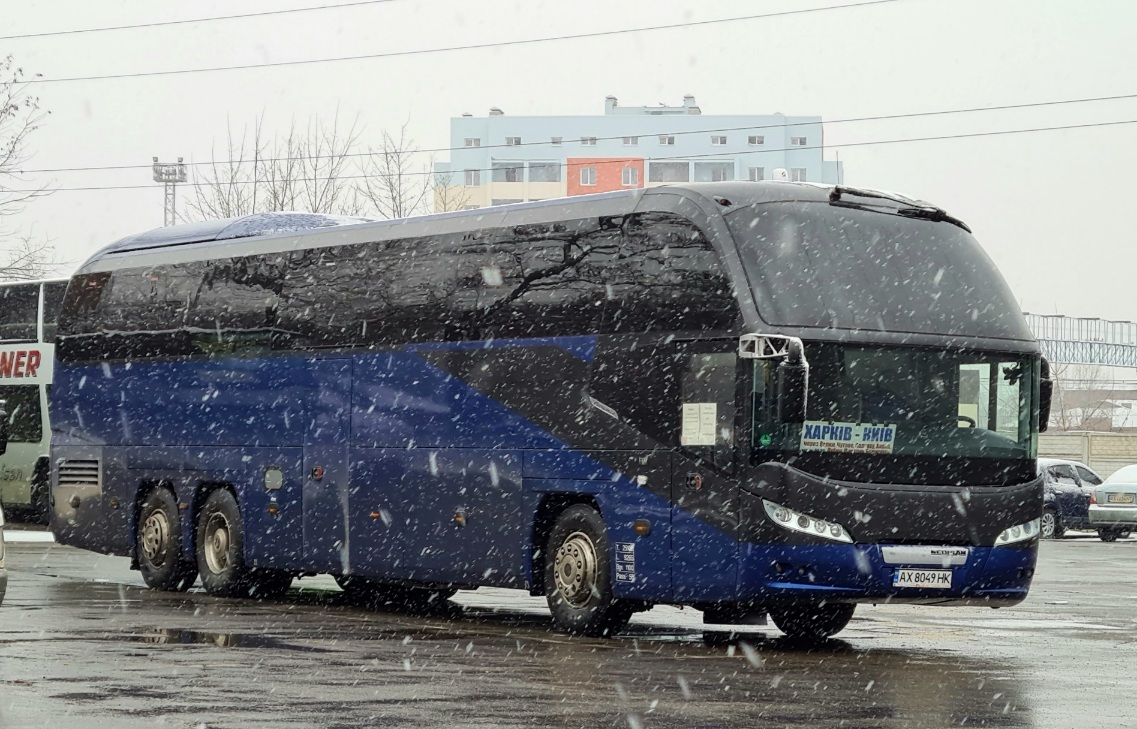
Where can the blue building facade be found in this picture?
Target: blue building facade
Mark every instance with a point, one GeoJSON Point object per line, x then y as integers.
{"type": "Point", "coordinates": [499, 159]}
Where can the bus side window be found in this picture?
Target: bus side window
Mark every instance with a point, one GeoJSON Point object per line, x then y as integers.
{"type": "Point", "coordinates": [52, 302]}
{"type": "Point", "coordinates": [543, 280]}
{"type": "Point", "coordinates": [667, 277]}
{"type": "Point", "coordinates": [235, 309]}
{"type": "Point", "coordinates": [658, 388]}
{"type": "Point", "coordinates": [707, 406]}
{"type": "Point", "coordinates": [25, 422]}
{"type": "Point", "coordinates": [19, 311]}
{"type": "Point", "coordinates": [642, 384]}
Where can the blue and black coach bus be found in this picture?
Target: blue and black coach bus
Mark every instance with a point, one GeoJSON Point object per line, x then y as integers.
{"type": "Point", "coordinates": [751, 398]}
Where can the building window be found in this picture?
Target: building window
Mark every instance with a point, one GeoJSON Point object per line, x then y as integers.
{"type": "Point", "coordinates": [506, 201]}
{"type": "Point", "coordinates": [631, 141]}
{"type": "Point", "coordinates": [513, 141]}
{"type": "Point", "coordinates": [756, 174]}
{"type": "Point", "coordinates": [630, 177]}
{"type": "Point", "coordinates": [797, 141]}
{"type": "Point", "coordinates": [668, 140]}
{"type": "Point", "coordinates": [473, 142]}
{"type": "Point", "coordinates": [797, 174]}
{"type": "Point", "coordinates": [717, 141]}
{"type": "Point", "coordinates": [471, 207]}
{"type": "Point", "coordinates": [588, 141]}
{"type": "Point", "coordinates": [473, 177]}
{"type": "Point", "coordinates": [714, 171]}
{"type": "Point", "coordinates": [544, 172]}
{"type": "Point", "coordinates": [508, 172]}
{"type": "Point", "coordinates": [587, 176]}
{"type": "Point", "coordinates": [755, 140]}
{"type": "Point", "coordinates": [668, 172]}
{"type": "Point", "coordinates": [557, 141]}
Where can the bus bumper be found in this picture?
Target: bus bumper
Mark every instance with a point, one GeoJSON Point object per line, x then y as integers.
{"type": "Point", "coordinates": [862, 573]}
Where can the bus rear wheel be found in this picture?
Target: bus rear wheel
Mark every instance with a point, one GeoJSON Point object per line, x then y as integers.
{"type": "Point", "coordinates": [578, 575]}
{"type": "Point", "coordinates": [158, 545]}
{"type": "Point", "coordinates": [812, 622]}
{"type": "Point", "coordinates": [220, 549]}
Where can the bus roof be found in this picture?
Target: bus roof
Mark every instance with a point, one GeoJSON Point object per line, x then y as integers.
{"type": "Point", "coordinates": [283, 231]}
{"type": "Point", "coordinates": [238, 233]}
{"type": "Point", "coordinates": [35, 282]}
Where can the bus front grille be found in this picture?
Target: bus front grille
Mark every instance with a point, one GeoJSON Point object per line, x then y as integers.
{"type": "Point", "coordinates": [76, 472]}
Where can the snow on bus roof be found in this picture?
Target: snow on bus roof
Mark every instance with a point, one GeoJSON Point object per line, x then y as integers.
{"type": "Point", "coordinates": [247, 226]}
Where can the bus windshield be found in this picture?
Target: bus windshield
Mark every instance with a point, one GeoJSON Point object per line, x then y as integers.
{"type": "Point", "coordinates": [893, 401]}
{"type": "Point", "coordinates": [881, 271]}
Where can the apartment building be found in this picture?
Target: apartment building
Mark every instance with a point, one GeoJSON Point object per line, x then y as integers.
{"type": "Point", "coordinates": [499, 159]}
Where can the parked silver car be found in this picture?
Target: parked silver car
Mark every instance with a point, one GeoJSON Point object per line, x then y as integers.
{"type": "Point", "coordinates": [3, 572]}
{"type": "Point", "coordinates": [1113, 505]}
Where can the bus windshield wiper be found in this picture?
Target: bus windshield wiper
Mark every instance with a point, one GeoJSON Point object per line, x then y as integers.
{"type": "Point", "coordinates": [911, 208]}
{"type": "Point", "coordinates": [932, 213]}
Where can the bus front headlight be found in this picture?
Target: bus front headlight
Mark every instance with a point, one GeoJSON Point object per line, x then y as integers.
{"type": "Point", "coordinates": [797, 522]}
{"type": "Point", "coordinates": [1019, 533]}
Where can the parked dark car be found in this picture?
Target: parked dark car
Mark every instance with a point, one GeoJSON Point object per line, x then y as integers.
{"type": "Point", "coordinates": [1066, 503]}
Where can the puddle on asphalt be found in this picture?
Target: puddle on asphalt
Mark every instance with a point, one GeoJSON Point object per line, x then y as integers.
{"type": "Point", "coordinates": [176, 636]}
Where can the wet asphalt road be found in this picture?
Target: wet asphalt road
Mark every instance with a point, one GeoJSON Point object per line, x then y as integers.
{"type": "Point", "coordinates": [84, 645]}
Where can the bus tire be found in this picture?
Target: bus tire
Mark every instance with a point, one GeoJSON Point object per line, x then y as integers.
{"type": "Point", "coordinates": [220, 548]}
{"type": "Point", "coordinates": [158, 545]}
{"type": "Point", "coordinates": [812, 622]}
{"type": "Point", "coordinates": [578, 575]}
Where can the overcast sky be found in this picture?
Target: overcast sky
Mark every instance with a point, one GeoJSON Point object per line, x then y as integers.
{"type": "Point", "coordinates": [1053, 208]}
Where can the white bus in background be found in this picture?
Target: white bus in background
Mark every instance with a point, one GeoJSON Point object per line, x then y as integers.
{"type": "Point", "coordinates": [29, 311]}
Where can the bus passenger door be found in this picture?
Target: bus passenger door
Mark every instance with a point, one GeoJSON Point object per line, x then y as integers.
{"type": "Point", "coordinates": [325, 472]}
{"type": "Point", "coordinates": [704, 493]}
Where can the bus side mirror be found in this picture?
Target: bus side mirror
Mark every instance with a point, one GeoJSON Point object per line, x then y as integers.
{"type": "Point", "coordinates": [791, 376]}
{"type": "Point", "coordinates": [793, 390]}
{"type": "Point", "coordinates": [1045, 397]}
{"type": "Point", "coordinates": [3, 429]}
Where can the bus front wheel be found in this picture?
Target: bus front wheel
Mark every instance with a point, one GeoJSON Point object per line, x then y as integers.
{"type": "Point", "coordinates": [220, 550]}
{"type": "Point", "coordinates": [158, 545]}
{"type": "Point", "coordinates": [578, 575]}
{"type": "Point", "coordinates": [813, 622]}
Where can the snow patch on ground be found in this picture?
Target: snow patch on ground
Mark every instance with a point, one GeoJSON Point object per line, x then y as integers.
{"type": "Point", "coordinates": [21, 536]}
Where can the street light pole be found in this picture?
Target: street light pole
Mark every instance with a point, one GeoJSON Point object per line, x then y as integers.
{"type": "Point", "coordinates": [169, 174]}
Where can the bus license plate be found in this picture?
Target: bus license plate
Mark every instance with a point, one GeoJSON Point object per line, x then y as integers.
{"type": "Point", "coordinates": [934, 579]}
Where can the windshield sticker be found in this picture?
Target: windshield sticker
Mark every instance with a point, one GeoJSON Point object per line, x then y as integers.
{"type": "Point", "coordinates": [699, 419]}
{"type": "Point", "coordinates": [847, 437]}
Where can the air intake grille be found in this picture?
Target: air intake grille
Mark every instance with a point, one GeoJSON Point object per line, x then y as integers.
{"type": "Point", "coordinates": [80, 473]}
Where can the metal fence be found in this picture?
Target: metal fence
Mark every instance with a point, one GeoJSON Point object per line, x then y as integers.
{"type": "Point", "coordinates": [1071, 340]}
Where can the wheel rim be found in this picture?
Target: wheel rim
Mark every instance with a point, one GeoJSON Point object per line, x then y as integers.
{"type": "Point", "coordinates": [156, 537]}
{"type": "Point", "coordinates": [575, 569]}
{"type": "Point", "coordinates": [217, 540]}
{"type": "Point", "coordinates": [1048, 524]}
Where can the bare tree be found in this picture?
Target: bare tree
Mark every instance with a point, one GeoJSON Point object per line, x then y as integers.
{"type": "Point", "coordinates": [397, 177]}
{"type": "Point", "coordinates": [448, 196]}
{"type": "Point", "coordinates": [27, 258]}
{"type": "Point", "coordinates": [22, 255]}
{"type": "Point", "coordinates": [1082, 396]}
{"type": "Point", "coordinates": [303, 170]}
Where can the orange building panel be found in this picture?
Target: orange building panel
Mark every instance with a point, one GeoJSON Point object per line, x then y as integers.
{"type": "Point", "coordinates": [586, 175]}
